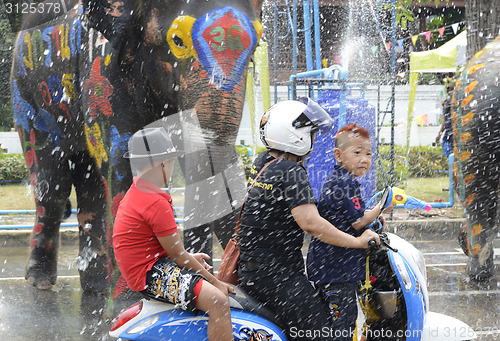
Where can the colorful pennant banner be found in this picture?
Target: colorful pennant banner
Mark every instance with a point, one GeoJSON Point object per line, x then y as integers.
{"type": "Point", "coordinates": [428, 36]}
{"type": "Point", "coordinates": [414, 38]}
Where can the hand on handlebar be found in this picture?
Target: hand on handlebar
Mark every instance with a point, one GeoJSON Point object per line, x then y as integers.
{"type": "Point", "coordinates": [389, 208]}
{"type": "Point", "coordinates": [367, 236]}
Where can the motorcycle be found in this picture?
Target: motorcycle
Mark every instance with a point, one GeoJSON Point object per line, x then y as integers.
{"type": "Point", "coordinates": [394, 299]}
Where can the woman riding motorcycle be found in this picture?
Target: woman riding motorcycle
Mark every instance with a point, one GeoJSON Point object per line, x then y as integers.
{"type": "Point", "coordinates": [279, 208]}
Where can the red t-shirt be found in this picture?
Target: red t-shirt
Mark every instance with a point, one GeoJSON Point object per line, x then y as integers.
{"type": "Point", "coordinates": [144, 214]}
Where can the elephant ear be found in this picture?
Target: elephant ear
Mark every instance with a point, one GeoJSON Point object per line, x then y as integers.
{"type": "Point", "coordinates": [109, 17]}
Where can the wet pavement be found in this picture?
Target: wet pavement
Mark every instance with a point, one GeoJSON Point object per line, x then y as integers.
{"type": "Point", "coordinates": [63, 313]}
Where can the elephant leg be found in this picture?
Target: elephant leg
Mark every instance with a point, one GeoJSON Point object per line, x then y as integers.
{"type": "Point", "coordinates": [93, 311]}
{"type": "Point", "coordinates": [200, 238]}
{"type": "Point", "coordinates": [224, 228]}
{"type": "Point", "coordinates": [481, 203]}
{"type": "Point", "coordinates": [51, 190]}
{"type": "Point", "coordinates": [94, 263]}
{"type": "Point", "coordinates": [212, 205]}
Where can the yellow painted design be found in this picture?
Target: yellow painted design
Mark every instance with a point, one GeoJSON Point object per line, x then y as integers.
{"type": "Point", "coordinates": [69, 86]}
{"type": "Point", "coordinates": [107, 60]}
{"type": "Point", "coordinates": [476, 230]}
{"type": "Point", "coordinates": [470, 200]}
{"type": "Point", "coordinates": [467, 100]}
{"type": "Point", "coordinates": [476, 248]}
{"type": "Point", "coordinates": [454, 116]}
{"type": "Point", "coordinates": [179, 37]}
{"type": "Point", "coordinates": [465, 137]}
{"type": "Point", "coordinates": [455, 133]}
{"type": "Point", "coordinates": [458, 84]}
{"type": "Point", "coordinates": [468, 178]}
{"type": "Point", "coordinates": [258, 29]}
{"type": "Point", "coordinates": [28, 61]}
{"type": "Point", "coordinates": [464, 156]}
{"type": "Point", "coordinates": [95, 144]}
{"type": "Point", "coordinates": [64, 49]}
{"type": "Point", "coordinates": [475, 68]}
{"type": "Point", "coordinates": [467, 118]}
{"type": "Point", "coordinates": [470, 87]}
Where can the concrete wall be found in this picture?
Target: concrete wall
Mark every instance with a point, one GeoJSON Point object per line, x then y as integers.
{"type": "Point", "coordinates": [10, 143]}
{"type": "Point", "coordinates": [426, 102]}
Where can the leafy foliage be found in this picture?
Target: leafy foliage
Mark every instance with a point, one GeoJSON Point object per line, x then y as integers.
{"type": "Point", "coordinates": [404, 13]}
{"type": "Point", "coordinates": [424, 161]}
{"type": "Point", "coordinates": [404, 10]}
{"type": "Point", "coordinates": [13, 168]}
{"type": "Point", "coordinates": [6, 39]}
{"type": "Point", "coordinates": [246, 159]}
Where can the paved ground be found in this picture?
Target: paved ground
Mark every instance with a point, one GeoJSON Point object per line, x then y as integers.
{"type": "Point", "coordinates": [64, 314]}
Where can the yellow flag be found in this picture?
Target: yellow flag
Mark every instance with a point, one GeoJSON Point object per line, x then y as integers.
{"type": "Point", "coordinates": [420, 120]}
{"type": "Point", "coordinates": [414, 39]}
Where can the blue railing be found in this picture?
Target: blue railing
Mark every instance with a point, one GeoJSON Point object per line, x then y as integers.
{"type": "Point", "coordinates": [178, 209]}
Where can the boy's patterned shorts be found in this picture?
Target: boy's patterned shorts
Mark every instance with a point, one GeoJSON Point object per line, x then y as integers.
{"type": "Point", "coordinates": [169, 283]}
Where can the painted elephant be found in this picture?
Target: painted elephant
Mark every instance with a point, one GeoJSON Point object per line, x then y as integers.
{"type": "Point", "coordinates": [85, 77]}
{"type": "Point", "coordinates": [476, 119]}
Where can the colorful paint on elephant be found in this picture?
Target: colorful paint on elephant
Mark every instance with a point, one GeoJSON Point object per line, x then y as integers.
{"type": "Point", "coordinates": [224, 35]}
{"type": "Point", "coordinates": [87, 79]}
{"type": "Point", "coordinates": [39, 48]}
{"type": "Point", "coordinates": [476, 120]}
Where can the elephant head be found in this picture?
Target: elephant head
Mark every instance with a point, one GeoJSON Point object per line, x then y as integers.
{"type": "Point", "coordinates": [85, 80]}
{"type": "Point", "coordinates": [193, 57]}
{"type": "Point", "coordinates": [476, 119]}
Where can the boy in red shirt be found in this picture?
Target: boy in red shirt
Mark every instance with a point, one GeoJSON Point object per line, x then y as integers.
{"type": "Point", "coordinates": [147, 246]}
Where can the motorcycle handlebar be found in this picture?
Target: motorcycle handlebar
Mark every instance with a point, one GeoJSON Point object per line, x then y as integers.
{"type": "Point", "coordinates": [372, 244]}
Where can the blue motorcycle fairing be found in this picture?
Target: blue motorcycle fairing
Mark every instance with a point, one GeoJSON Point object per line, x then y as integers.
{"type": "Point", "coordinates": [413, 296]}
{"type": "Point", "coordinates": [180, 325]}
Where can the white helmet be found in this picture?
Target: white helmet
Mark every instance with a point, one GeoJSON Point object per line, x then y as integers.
{"type": "Point", "coordinates": [288, 126]}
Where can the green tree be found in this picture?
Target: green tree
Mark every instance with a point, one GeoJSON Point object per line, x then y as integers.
{"type": "Point", "coordinates": [483, 23]}
{"type": "Point", "coordinates": [404, 10]}
{"type": "Point", "coordinates": [6, 46]}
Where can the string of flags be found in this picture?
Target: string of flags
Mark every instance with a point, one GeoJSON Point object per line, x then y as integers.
{"type": "Point", "coordinates": [414, 38]}
{"type": "Point", "coordinates": [422, 120]}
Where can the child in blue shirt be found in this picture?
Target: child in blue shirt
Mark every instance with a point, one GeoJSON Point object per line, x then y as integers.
{"type": "Point", "coordinates": [336, 270]}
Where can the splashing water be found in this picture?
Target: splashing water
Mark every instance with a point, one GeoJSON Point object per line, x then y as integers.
{"type": "Point", "coordinates": [85, 257]}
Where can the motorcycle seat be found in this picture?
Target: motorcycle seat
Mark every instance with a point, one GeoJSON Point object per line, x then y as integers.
{"type": "Point", "coordinates": [242, 300]}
